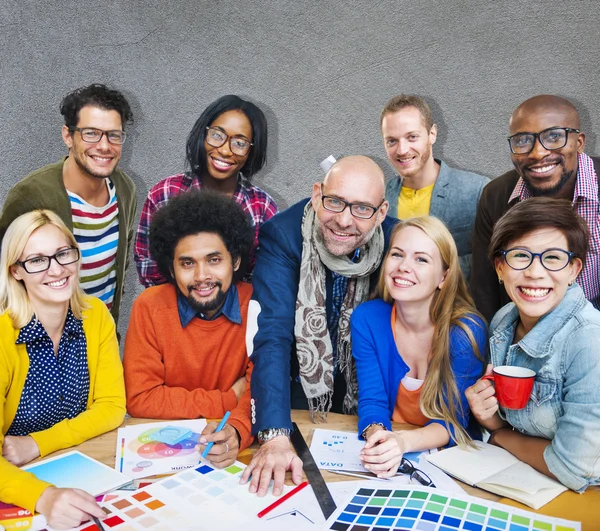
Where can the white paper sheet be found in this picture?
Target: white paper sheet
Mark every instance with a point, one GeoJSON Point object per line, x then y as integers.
{"type": "Point", "coordinates": [339, 450]}
{"type": "Point", "coordinates": [158, 448]}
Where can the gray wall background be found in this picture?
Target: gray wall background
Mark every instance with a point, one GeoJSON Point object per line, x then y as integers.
{"type": "Point", "coordinates": [321, 71]}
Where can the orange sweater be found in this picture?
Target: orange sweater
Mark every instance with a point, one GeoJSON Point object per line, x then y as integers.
{"type": "Point", "coordinates": [173, 372]}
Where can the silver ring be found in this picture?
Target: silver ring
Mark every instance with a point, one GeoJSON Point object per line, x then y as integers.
{"type": "Point", "coordinates": [226, 448]}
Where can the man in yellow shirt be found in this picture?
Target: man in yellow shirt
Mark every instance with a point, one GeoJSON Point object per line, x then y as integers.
{"type": "Point", "coordinates": [425, 185]}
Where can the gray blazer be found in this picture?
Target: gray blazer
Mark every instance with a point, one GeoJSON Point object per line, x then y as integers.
{"type": "Point", "coordinates": [454, 201]}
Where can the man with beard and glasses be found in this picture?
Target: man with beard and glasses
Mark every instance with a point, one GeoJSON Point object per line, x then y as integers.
{"type": "Point", "coordinates": [317, 261]}
{"type": "Point", "coordinates": [185, 351]}
{"type": "Point", "coordinates": [425, 185]}
{"type": "Point", "coordinates": [95, 200]}
{"type": "Point", "coordinates": [546, 144]}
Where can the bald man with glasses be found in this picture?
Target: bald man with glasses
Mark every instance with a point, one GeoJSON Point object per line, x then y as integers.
{"type": "Point", "coordinates": [95, 200]}
{"type": "Point", "coordinates": [547, 150]}
{"type": "Point", "coordinates": [317, 261]}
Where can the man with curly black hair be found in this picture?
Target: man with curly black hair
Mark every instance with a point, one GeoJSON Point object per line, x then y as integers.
{"type": "Point", "coordinates": [185, 350]}
{"type": "Point", "coordinates": [94, 199]}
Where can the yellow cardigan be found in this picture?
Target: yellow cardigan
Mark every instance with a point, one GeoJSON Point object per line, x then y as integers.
{"type": "Point", "coordinates": [105, 408]}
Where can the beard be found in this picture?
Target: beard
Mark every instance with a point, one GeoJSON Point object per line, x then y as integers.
{"type": "Point", "coordinates": [81, 161]}
{"type": "Point", "coordinates": [422, 159]}
{"type": "Point", "coordinates": [337, 248]}
{"type": "Point", "coordinates": [210, 305]}
{"type": "Point", "coordinates": [565, 177]}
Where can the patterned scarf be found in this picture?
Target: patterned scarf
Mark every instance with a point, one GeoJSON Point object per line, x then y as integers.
{"type": "Point", "coordinates": [313, 342]}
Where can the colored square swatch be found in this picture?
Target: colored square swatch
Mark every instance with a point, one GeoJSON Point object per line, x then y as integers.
{"type": "Point", "coordinates": [204, 469]}
{"type": "Point", "coordinates": [141, 496]}
{"type": "Point", "coordinates": [233, 469]}
{"type": "Point", "coordinates": [155, 504]}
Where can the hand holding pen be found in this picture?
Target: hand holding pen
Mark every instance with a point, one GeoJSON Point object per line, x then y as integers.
{"type": "Point", "coordinates": [219, 443]}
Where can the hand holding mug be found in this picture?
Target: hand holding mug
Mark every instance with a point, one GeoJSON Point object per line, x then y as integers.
{"type": "Point", "coordinates": [513, 385]}
{"type": "Point", "coordinates": [482, 398]}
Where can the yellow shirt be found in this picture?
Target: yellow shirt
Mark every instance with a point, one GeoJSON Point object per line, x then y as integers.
{"type": "Point", "coordinates": [105, 408]}
{"type": "Point", "coordinates": [412, 203]}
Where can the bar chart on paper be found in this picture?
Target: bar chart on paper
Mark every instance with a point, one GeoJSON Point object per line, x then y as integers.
{"type": "Point", "coordinates": [422, 509]}
{"type": "Point", "coordinates": [339, 450]}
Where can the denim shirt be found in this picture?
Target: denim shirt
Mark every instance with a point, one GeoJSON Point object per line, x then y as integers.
{"type": "Point", "coordinates": [563, 348]}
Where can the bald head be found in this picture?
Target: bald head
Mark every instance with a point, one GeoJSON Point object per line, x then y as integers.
{"type": "Point", "coordinates": [362, 170]}
{"type": "Point", "coordinates": [547, 104]}
{"type": "Point", "coordinates": [354, 189]}
{"type": "Point", "coordinates": [551, 164]}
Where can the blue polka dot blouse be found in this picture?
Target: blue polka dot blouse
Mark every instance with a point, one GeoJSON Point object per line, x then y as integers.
{"type": "Point", "coordinates": [57, 386]}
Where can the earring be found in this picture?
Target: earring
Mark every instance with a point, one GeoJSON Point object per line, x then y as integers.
{"type": "Point", "coordinates": [500, 281]}
{"type": "Point", "coordinates": [571, 283]}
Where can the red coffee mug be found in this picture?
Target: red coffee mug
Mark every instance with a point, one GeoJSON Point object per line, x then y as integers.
{"type": "Point", "coordinates": [513, 385]}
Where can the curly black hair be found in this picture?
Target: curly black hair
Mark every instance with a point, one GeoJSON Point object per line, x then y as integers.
{"type": "Point", "coordinates": [195, 150]}
{"type": "Point", "coordinates": [96, 95]}
{"type": "Point", "coordinates": [198, 211]}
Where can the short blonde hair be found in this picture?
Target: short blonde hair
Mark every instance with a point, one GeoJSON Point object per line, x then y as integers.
{"type": "Point", "coordinates": [404, 101]}
{"type": "Point", "coordinates": [13, 295]}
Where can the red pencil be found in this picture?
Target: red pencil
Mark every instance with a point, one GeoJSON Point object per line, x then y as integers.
{"type": "Point", "coordinates": [278, 502]}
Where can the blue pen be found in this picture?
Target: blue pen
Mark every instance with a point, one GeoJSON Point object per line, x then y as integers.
{"type": "Point", "coordinates": [219, 428]}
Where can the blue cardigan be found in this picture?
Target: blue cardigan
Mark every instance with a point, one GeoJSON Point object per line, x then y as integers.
{"type": "Point", "coordinates": [380, 367]}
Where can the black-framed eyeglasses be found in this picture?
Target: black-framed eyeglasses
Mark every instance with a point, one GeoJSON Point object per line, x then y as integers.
{"type": "Point", "coordinates": [238, 145]}
{"type": "Point", "coordinates": [551, 259]}
{"type": "Point", "coordinates": [358, 210]}
{"type": "Point", "coordinates": [552, 138]}
{"type": "Point", "coordinates": [92, 135]}
{"type": "Point", "coordinates": [406, 467]}
{"type": "Point", "coordinates": [38, 264]}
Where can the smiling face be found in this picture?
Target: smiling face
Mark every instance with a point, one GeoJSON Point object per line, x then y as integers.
{"type": "Point", "coordinates": [535, 290]}
{"type": "Point", "coordinates": [354, 180]}
{"type": "Point", "coordinates": [407, 141]}
{"type": "Point", "coordinates": [413, 270]}
{"type": "Point", "coordinates": [547, 172]}
{"type": "Point", "coordinates": [56, 285]}
{"type": "Point", "coordinates": [203, 271]}
{"type": "Point", "coordinates": [101, 158]}
{"type": "Point", "coordinates": [221, 163]}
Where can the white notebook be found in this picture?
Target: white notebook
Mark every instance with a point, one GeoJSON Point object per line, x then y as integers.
{"type": "Point", "coordinates": [494, 469]}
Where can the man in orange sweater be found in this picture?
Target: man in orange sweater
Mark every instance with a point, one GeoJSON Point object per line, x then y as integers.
{"type": "Point", "coordinates": [185, 350]}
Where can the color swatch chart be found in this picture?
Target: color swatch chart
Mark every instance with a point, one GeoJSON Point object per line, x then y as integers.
{"type": "Point", "coordinates": [186, 501]}
{"type": "Point", "coordinates": [423, 509]}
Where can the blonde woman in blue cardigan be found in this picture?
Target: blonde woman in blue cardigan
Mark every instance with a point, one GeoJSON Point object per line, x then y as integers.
{"type": "Point", "coordinates": [417, 348]}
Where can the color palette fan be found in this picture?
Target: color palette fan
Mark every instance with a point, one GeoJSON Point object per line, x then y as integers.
{"type": "Point", "coordinates": [422, 509]}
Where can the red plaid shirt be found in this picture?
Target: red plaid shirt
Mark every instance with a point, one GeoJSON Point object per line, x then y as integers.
{"type": "Point", "coordinates": [585, 200]}
{"type": "Point", "coordinates": [255, 202]}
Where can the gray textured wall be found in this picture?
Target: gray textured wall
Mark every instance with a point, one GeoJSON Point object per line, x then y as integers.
{"type": "Point", "coordinates": [321, 70]}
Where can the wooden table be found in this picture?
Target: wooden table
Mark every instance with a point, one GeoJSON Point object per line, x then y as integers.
{"type": "Point", "coordinates": [569, 505]}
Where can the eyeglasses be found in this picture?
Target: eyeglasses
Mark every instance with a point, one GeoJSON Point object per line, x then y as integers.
{"type": "Point", "coordinates": [551, 259]}
{"type": "Point", "coordinates": [406, 467]}
{"type": "Point", "coordinates": [39, 264]}
{"type": "Point", "coordinates": [92, 136]}
{"type": "Point", "coordinates": [216, 137]}
{"type": "Point", "coordinates": [358, 210]}
{"type": "Point", "coordinates": [552, 139]}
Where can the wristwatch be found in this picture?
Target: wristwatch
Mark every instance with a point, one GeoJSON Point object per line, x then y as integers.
{"type": "Point", "coordinates": [270, 433]}
{"type": "Point", "coordinates": [364, 432]}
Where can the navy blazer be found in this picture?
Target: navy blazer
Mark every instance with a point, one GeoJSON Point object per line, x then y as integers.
{"type": "Point", "coordinates": [271, 316]}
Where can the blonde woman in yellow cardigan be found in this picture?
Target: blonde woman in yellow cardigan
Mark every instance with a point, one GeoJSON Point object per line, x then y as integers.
{"type": "Point", "coordinates": [61, 379]}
